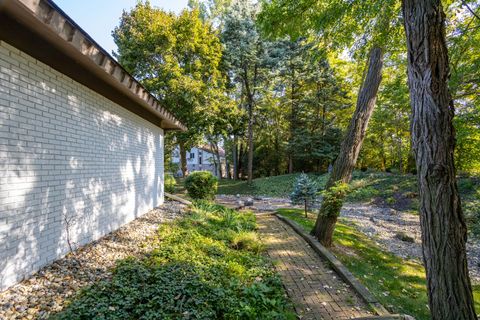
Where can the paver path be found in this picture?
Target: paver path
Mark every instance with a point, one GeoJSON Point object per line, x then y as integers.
{"type": "Point", "coordinates": [316, 290]}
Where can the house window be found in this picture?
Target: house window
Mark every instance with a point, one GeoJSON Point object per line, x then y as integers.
{"type": "Point", "coordinates": [192, 155]}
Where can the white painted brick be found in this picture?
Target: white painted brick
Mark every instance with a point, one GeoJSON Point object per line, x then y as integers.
{"type": "Point", "coordinates": [66, 150]}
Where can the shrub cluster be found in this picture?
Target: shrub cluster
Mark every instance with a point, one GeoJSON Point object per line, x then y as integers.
{"type": "Point", "coordinates": [201, 185]}
{"type": "Point", "coordinates": [170, 183]}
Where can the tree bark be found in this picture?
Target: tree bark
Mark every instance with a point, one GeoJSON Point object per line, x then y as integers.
{"type": "Point", "coordinates": [216, 149]}
{"type": "Point", "coordinates": [241, 154]}
{"type": "Point", "coordinates": [351, 145]}
{"type": "Point", "coordinates": [293, 117]}
{"type": "Point", "coordinates": [235, 158]}
{"type": "Point", "coordinates": [444, 231]}
{"type": "Point", "coordinates": [183, 159]}
{"type": "Point", "coordinates": [250, 143]}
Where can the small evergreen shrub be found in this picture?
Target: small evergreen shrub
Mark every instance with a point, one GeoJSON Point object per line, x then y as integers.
{"type": "Point", "coordinates": [170, 183]}
{"type": "Point", "coordinates": [201, 185]}
{"type": "Point", "coordinates": [304, 192]}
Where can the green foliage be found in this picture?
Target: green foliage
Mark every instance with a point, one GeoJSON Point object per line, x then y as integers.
{"type": "Point", "coordinates": [169, 183]}
{"type": "Point", "coordinates": [178, 59]}
{"type": "Point", "coordinates": [201, 185]}
{"type": "Point", "coordinates": [304, 192]}
{"type": "Point", "coordinates": [469, 188]}
{"type": "Point", "coordinates": [278, 186]}
{"type": "Point", "coordinates": [340, 23]}
{"type": "Point", "coordinates": [398, 284]}
{"type": "Point", "coordinates": [463, 34]}
{"type": "Point", "coordinates": [196, 270]}
{"type": "Point", "coordinates": [333, 198]}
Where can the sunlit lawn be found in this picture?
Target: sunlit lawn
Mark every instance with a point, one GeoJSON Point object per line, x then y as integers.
{"type": "Point", "coordinates": [398, 284]}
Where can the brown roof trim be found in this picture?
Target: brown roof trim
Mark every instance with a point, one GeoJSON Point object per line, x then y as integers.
{"type": "Point", "coordinates": [44, 31]}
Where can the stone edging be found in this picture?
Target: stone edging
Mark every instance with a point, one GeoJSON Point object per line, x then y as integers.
{"type": "Point", "coordinates": [177, 198]}
{"type": "Point", "coordinates": [343, 272]}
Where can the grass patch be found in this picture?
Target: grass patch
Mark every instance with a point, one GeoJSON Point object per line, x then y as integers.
{"type": "Point", "coordinates": [208, 265]}
{"type": "Point", "coordinates": [397, 283]}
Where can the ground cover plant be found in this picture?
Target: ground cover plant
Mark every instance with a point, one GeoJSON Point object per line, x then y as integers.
{"type": "Point", "coordinates": [398, 284]}
{"type": "Point", "coordinates": [208, 265]}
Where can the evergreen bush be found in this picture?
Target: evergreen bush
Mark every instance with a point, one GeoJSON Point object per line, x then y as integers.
{"type": "Point", "coordinates": [201, 185]}
{"type": "Point", "coordinates": [304, 192]}
{"type": "Point", "coordinates": [170, 183]}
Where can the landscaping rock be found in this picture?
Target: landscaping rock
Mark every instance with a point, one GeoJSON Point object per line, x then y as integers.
{"type": "Point", "coordinates": [386, 225]}
{"type": "Point", "coordinates": [249, 202]}
{"type": "Point", "coordinates": [47, 291]}
{"type": "Point", "coordinates": [404, 237]}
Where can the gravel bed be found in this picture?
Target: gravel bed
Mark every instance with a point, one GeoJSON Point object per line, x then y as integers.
{"type": "Point", "coordinates": [383, 225]}
{"type": "Point", "coordinates": [48, 290]}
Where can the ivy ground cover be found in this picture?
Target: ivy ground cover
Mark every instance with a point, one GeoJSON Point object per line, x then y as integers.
{"type": "Point", "coordinates": [207, 265]}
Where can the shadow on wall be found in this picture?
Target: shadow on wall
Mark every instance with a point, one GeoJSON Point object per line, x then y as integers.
{"type": "Point", "coordinates": [73, 161]}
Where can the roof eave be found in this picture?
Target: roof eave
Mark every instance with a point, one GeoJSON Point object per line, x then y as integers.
{"type": "Point", "coordinates": [42, 30]}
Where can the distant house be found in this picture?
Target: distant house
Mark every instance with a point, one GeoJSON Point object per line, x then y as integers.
{"type": "Point", "coordinates": [81, 141]}
{"type": "Point", "coordinates": [201, 159]}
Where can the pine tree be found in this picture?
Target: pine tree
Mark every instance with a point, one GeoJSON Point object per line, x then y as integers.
{"type": "Point", "coordinates": [304, 192]}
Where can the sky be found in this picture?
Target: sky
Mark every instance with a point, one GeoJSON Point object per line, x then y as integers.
{"type": "Point", "coordinates": [99, 17]}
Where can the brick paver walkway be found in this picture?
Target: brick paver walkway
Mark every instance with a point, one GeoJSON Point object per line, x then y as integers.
{"type": "Point", "coordinates": [316, 290]}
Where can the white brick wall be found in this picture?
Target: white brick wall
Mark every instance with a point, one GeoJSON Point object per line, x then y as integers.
{"type": "Point", "coordinates": [66, 152]}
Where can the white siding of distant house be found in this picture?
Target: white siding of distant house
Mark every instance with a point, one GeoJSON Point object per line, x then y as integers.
{"type": "Point", "coordinates": [66, 152]}
{"type": "Point", "coordinates": [193, 163]}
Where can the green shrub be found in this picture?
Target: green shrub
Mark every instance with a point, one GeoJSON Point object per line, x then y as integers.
{"type": "Point", "coordinates": [333, 198]}
{"type": "Point", "coordinates": [247, 240]}
{"type": "Point", "coordinates": [201, 185]}
{"type": "Point", "coordinates": [170, 183]}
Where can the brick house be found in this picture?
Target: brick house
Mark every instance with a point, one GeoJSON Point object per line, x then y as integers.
{"type": "Point", "coordinates": [81, 141]}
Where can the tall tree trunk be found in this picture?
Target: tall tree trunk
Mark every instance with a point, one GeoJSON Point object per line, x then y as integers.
{"type": "Point", "coordinates": [250, 142]}
{"type": "Point", "coordinates": [383, 161]}
{"type": "Point", "coordinates": [216, 149]}
{"type": "Point", "coordinates": [444, 232]}
{"type": "Point", "coordinates": [241, 154]}
{"type": "Point", "coordinates": [183, 159]}
{"type": "Point", "coordinates": [350, 149]}
{"type": "Point", "coordinates": [220, 168]}
{"type": "Point", "coordinates": [228, 169]}
{"type": "Point", "coordinates": [235, 158]}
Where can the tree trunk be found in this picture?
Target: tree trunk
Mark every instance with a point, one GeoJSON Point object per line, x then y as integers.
{"type": "Point", "coordinates": [351, 145]}
{"type": "Point", "coordinates": [241, 154]}
{"type": "Point", "coordinates": [216, 149]}
{"type": "Point", "coordinates": [220, 169]}
{"type": "Point", "coordinates": [235, 158]}
{"type": "Point", "coordinates": [444, 232]}
{"type": "Point", "coordinates": [183, 159]}
{"type": "Point", "coordinates": [326, 228]}
{"type": "Point", "coordinates": [250, 142]}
